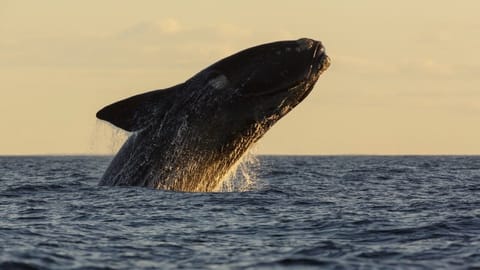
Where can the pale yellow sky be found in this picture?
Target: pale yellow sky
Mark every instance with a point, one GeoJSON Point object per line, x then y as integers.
{"type": "Point", "coordinates": [405, 75]}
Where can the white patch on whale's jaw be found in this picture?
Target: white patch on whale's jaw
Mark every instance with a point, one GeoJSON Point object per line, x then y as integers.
{"type": "Point", "coordinates": [218, 82]}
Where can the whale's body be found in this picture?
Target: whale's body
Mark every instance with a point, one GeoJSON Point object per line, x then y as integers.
{"type": "Point", "coordinates": [187, 137]}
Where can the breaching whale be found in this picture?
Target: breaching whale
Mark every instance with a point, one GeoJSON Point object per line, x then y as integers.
{"type": "Point", "coordinates": [187, 137]}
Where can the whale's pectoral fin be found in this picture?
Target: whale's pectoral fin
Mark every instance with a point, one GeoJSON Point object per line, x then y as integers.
{"type": "Point", "coordinates": [135, 113]}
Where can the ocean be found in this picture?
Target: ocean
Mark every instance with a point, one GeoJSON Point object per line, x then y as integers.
{"type": "Point", "coordinates": [301, 212]}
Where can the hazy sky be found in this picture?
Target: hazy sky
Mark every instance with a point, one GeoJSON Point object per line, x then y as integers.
{"type": "Point", "coordinates": [405, 75]}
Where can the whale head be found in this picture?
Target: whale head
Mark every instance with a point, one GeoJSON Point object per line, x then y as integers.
{"type": "Point", "coordinates": [249, 91]}
{"type": "Point", "coordinates": [270, 68]}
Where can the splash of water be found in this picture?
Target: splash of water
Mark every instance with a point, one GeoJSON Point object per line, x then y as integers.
{"type": "Point", "coordinates": [106, 138]}
{"type": "Point", "coordinates": [241, 177]}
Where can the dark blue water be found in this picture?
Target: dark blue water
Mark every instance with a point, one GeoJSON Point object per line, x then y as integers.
{"type": "Point", "coordinates": [305, 213]}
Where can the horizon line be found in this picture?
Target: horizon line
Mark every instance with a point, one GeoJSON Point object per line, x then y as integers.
{"type": "Point", "coordinates": [262, 154]}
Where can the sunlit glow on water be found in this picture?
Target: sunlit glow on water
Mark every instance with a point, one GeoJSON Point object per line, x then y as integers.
{"type": "Point", "coordinates": [241, 177]}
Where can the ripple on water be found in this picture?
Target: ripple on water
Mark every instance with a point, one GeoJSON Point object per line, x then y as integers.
{"type": "Point", "coordinates": [309, 213]}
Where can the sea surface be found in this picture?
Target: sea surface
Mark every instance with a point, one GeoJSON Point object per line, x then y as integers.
{"type": "Point", "coordinates": [303, 212]}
